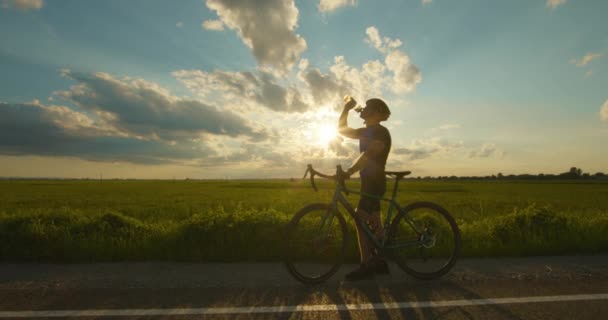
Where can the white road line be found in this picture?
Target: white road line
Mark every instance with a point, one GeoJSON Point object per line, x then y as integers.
{"type": "Point", "coordinates": [299, 308]}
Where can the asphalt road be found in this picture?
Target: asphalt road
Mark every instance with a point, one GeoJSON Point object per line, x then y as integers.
{"type": "Point", "coordinates": [542, 288]}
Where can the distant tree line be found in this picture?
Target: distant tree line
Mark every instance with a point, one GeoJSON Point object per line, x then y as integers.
{"type": "Point", "coordinates": [573, 173]}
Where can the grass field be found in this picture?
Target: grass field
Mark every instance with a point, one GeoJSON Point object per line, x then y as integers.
{"type": "Point", "coordinates": [77, 221]}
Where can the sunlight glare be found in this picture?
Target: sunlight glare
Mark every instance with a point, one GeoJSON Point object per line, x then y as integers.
{"type": "Point", "coordinates": [325, 134]}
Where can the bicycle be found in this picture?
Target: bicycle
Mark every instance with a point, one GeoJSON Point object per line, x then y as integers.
{"type": "Point", "coordinates": [423, 239]}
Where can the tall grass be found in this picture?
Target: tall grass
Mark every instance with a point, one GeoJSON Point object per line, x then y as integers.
{"type": "Point", "coordinates": [76, 221]}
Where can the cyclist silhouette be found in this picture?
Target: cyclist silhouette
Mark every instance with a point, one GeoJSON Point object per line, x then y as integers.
{"type": "Point", "coordinates": [374, 145]}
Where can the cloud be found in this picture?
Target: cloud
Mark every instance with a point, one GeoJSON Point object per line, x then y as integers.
{"type": "Point", "coordinates": [323, 87]}
{"type": "Point", "coordinates": [414, 154]}
{"type": "Point", "coordinates": [143, 109]}
{"type": "Point", "coordinates": [23, 5]}
{"type": "Point", "coordinates": [244, 90]}
{"type": "Point", "coordinates": [406, 75]}
{"type": "Point", "coordinates": [585, 59]}
{"type": "Point", "coordinates": [312, 88]}
{"type": "Point", "coordinates": [604, 111]}
{"type": "Point", "coordinates": [343, 149]}
{"type": "Point", "coordinates": [266, 27]}
{"type": "Point", "coordinates": [426, 1]}
{"type": "Point", "coordinates": [382, 44]}
{"type": "Point", "coordinates": [332, 5]}
{"type": "Point", "coordinates": [179, 24]}
{"type": "Point", "coordinates": [439, 147]}
{"type": "Point", "coordinates": [259, 89]}
{"type": "Point", "coordinates": [487, 150]}
{"type": "Point", "coordinates": [371, 79]}
{"type": "Point", "coordinates": [552, 4]}
{"type": "Point", "coordinates": [36, 129]}
{"type": "Point", "coordinates": [426, 148]}
{"type": "Point", "coordinates": [215, 25]}
{"type": "Point", "coordinates": [266, 155]}
{"type": "Point", "coordinates": [373, 38]}
{"type": "Point", "coordinates": [134, 120]}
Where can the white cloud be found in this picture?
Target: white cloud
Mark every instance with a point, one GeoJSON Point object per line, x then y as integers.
{"type": "Point", "coordinates": [37, 129]}
{"type": "Point", "coordinates": [405, 74]}
{"type": "Point", "coordinates": [586, 59]}
{"type": "Point", "coordinates": [359, 82]}
{"type": "Point", "coordinates": [555, 3]}
{"type": "Point", "coordinates": [486, 150]}
{"type": "Point", "coordinates": [215, 25]}
{"type": "Point", "coordinates": [69, 120]}
{"type": "Point", "coordinates": [604, 111]}
{"type": "Point", "coordinates": [266, 27]}
{"type": "Point", "coordinates": [138, 121]}
{"type": "Point", "coordinates": [179, 24]}
{"type": "Point", "coordinates": [414, 154]}
{"type": "Point", "coordinates": [23, 5]}
{"type": "Point", "coordinates": [332, 5]}
{"type": "Point", "coordinates": [382, 44]}
{"type": "Point", "coordinates": [426, 148]}
{"type": "Point", "coordinates": [368, 80]}
{"type": "Point", "coordinates": [134, 120]}
{"type": "Point", "coordinates": [310, 98]}
{"type": "Point", "coordinates": [324, 88]}
{"type": "Point", "coordinates": [371, 79]}
{"type": "Point", "coordinates": [373, 37]}
{"type": "Point", "coordinates": [243, 90]}
{"type": "Point", "coordinates": [442, 148]}
{"type": "Point", "coordinates": [304, 63]}
{"type": "Point", "coordinates": [312, 88]}
{"type": "Point", "coordinates": [426, 1]}
{"type": "Point", "coordinates": [145, 110]}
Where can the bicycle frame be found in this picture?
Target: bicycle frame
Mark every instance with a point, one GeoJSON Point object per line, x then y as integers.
{"type": "Point", "coordinates": [330, 234]}
{"type": "Point", "coordinates": [339, 197]}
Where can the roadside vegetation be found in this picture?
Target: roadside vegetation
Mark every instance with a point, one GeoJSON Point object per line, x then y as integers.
{"type": "Point", "coordinates": [121, 220]}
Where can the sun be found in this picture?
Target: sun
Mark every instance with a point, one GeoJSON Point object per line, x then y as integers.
{"type": "Point", "coordinates": [326, 133]}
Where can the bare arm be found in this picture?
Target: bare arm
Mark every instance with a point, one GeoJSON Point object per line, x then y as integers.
{"type": "Point", "coordinates": [375, 147]}
{"type": "Point", "coordinates": [343, 127]}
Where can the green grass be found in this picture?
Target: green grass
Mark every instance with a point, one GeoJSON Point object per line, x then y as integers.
{"type": "Point", "coordinates": [78, 221]}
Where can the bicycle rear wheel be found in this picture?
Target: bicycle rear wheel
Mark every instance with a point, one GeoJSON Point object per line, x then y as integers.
{"type": "Point", "coordinates": [315, 241]}
{"type": "Point", "coordinates": [424, 240]}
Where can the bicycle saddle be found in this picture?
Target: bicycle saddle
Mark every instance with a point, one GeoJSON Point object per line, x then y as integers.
{"type": "Point", "coordinates": [397, 174]}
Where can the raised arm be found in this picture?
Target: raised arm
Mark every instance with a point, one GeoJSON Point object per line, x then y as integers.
{"type": "Point", "coordinates": [343, 127]}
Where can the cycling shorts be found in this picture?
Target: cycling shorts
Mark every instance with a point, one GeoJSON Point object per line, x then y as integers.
{"type": "Point", "coordinates": [374, 186]}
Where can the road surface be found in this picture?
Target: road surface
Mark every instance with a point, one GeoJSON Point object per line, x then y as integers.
{"type": "Point", "coordinates": [572, 287]}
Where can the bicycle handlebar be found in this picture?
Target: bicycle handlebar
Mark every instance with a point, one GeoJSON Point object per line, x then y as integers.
{"type": "Point", "coordinates": [339, 177]}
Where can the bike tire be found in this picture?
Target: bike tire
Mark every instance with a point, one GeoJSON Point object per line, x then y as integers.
{"type": "Point", "coordinates": [293, 243]}
{"type": "Point", "coordinates": [408, 257]}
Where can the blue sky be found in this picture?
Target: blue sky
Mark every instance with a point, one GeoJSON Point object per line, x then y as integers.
{"type": "Point", "coordinates": [147, 89]}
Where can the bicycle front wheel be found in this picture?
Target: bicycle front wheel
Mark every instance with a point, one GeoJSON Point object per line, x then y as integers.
{"type": "Point", "coordinates": [315, 241]}
{"type": "Point", "coordinates": [424, 240]}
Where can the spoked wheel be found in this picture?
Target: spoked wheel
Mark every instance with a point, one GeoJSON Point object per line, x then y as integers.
{"type": "Point", "coordinates": [424, 240]}
{"type": "Point", "coordinates": [315, 243]}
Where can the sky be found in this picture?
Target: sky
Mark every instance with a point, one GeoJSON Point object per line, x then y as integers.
{"type": "Point", "coordinates": [227, 89]}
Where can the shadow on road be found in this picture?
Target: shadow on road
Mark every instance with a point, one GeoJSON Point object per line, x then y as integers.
{"type": "Point", "coordinates": [197, 285]}
{"type": "Point", "coordinates": [371, 292]}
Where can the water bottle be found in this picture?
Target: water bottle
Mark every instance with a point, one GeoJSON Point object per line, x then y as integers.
{"type": "Point", "coordinates": [357, 108]}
